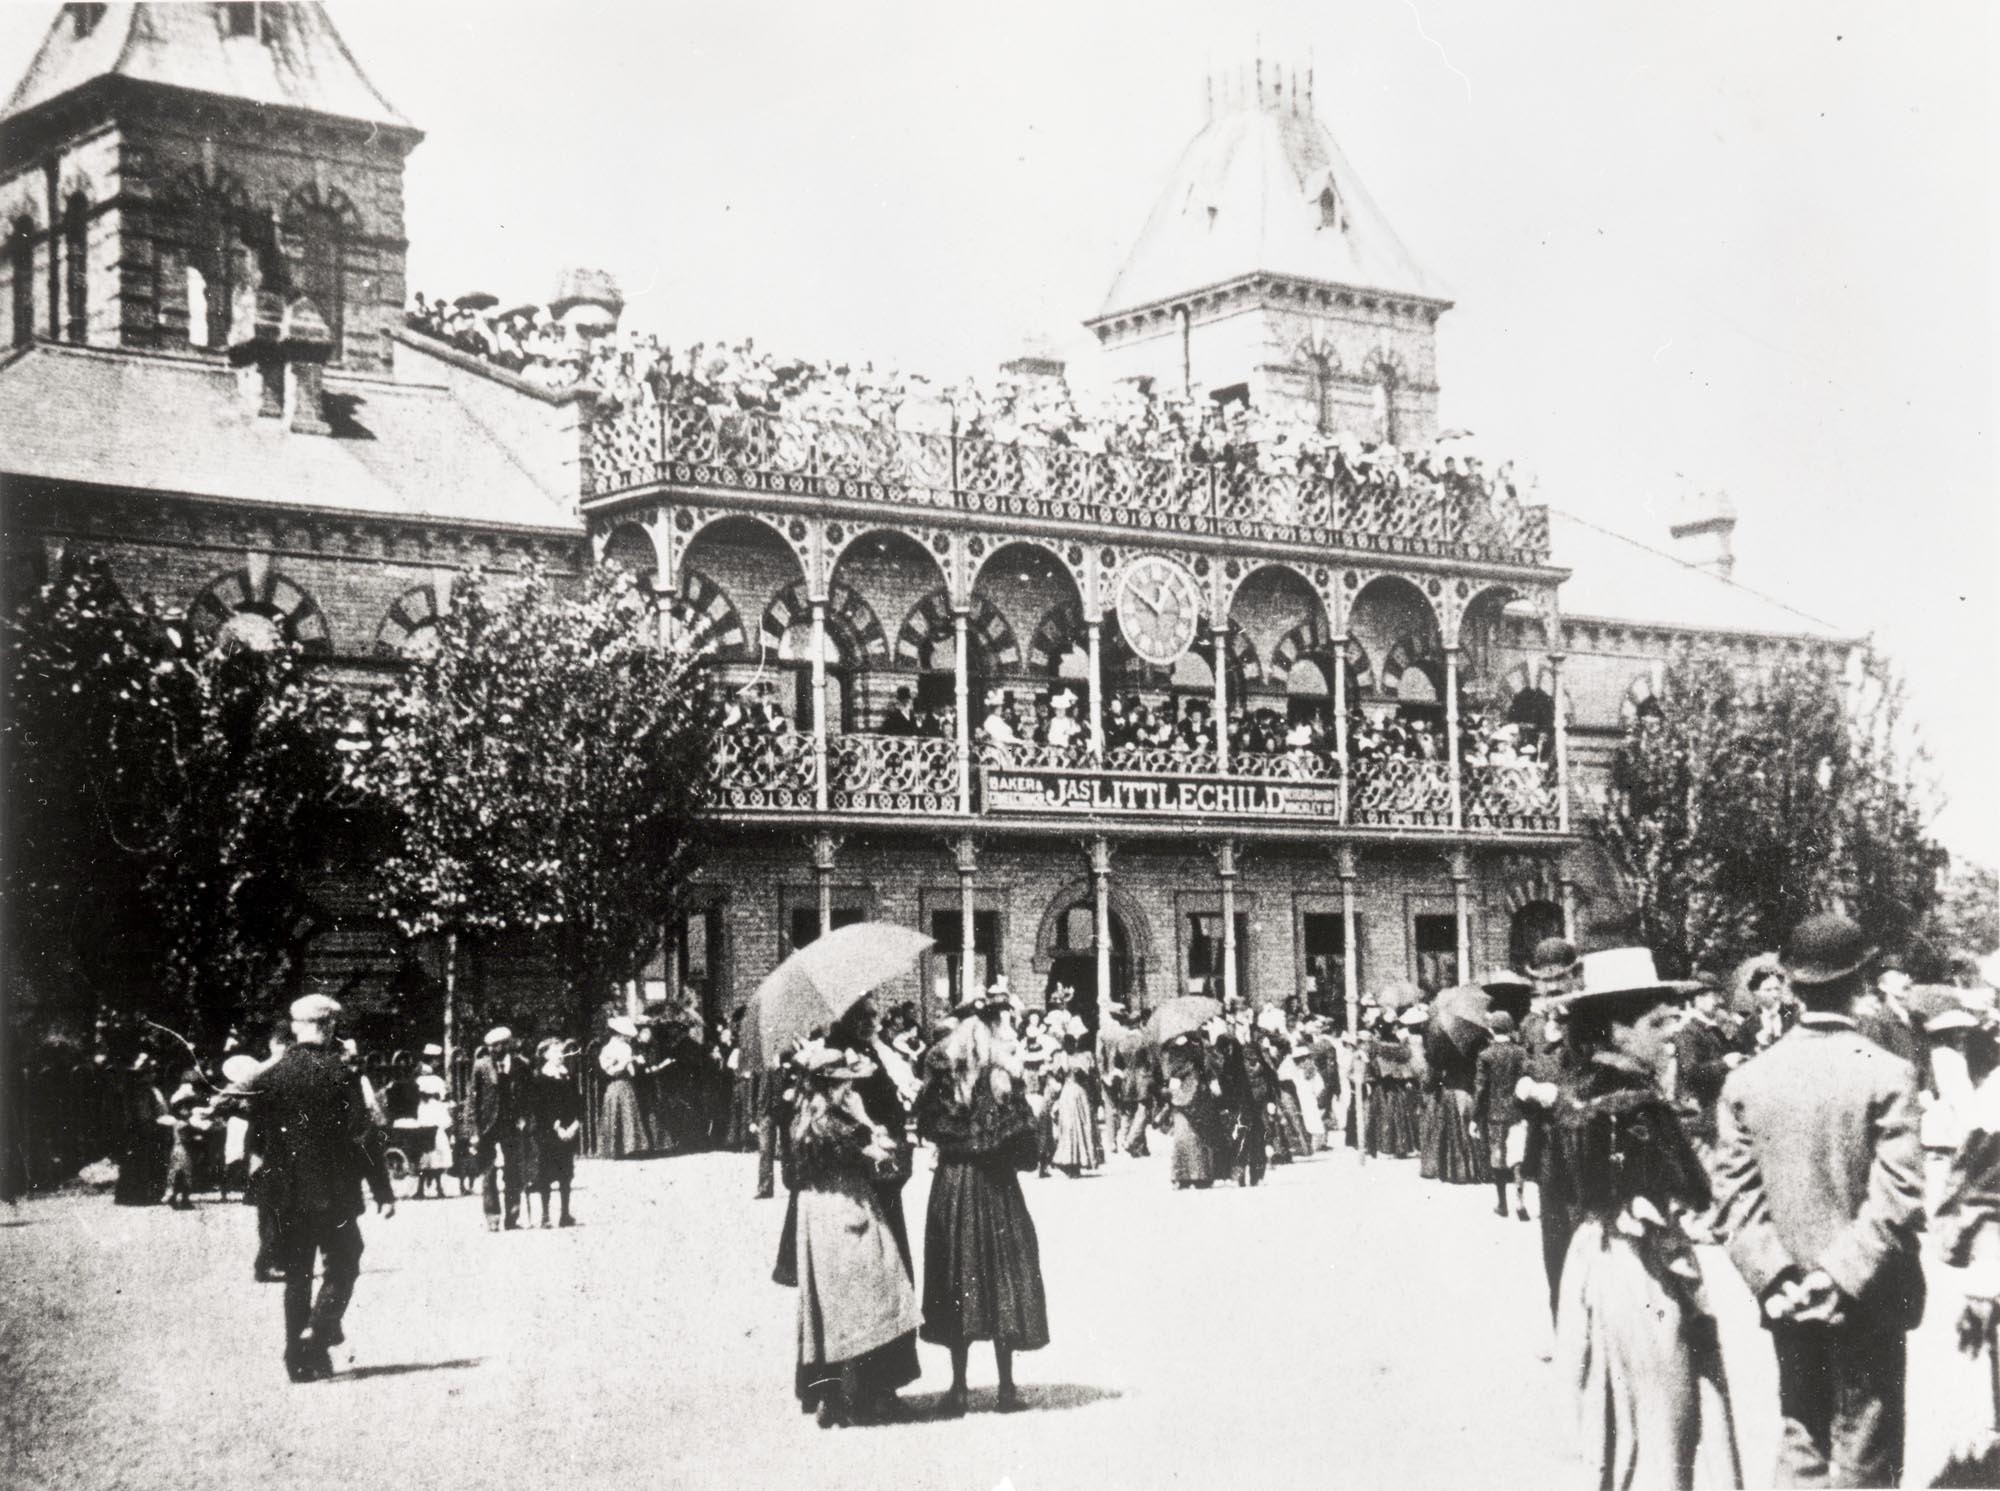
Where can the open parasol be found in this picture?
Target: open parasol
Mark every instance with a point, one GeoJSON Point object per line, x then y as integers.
{"type": "Point", "coordinates": [1461, 1015]}
{"type": "Point", "coordinates": [476, 300]}
{"type": "Point", "coordinates": [821, 981]}
{"type": "Point", "coordinates": [1182, 1015]}
{"type": "Point", "coordinates": [1399, 996]}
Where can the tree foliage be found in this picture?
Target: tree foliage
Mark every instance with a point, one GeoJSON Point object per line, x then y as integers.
{"type": "Point", "coordinates": [168, 805]}
{"type": "Point", "coordinates": [1752, 799]}
{"type": "Point", "coordinates": [545, 764]}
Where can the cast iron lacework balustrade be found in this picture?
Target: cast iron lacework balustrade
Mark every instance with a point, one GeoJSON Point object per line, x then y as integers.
{"type": "Point", "coordinates": [892, 774]}
{"type": "Point", "coordinates": [918, 775]}
{"type": "Point", "coordinates": [765, 771]}
{"type": "Point", "coordinates": [1401, 791]}
{"type": "Point", "coordinates": [696, 445]}
{"type": "Point", "coordinates": [1518, 797]}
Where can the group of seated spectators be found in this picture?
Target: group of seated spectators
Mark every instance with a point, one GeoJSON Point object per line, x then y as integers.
{"type": "Point", "coordinates": [1128, 419]}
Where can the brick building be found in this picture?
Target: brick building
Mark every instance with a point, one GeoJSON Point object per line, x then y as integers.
{"type": "Point", "coordinates": [210, 383]}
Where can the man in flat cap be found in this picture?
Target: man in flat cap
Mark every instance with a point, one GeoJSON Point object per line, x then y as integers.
{"type": "Point", "coordinates": [1820, 1187]}
{"type": "Point", "coordinates": [500, 1122]}
{"type": "Point", "coordinates": [319, 1146]}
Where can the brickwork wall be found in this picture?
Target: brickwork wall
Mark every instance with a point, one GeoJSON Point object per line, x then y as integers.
{"type": "Point", "coordinates": [1155, 890]}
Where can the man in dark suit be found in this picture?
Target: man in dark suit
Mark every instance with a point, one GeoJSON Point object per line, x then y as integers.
{"type": "Point", "coordinates": [319, 1145]}
{"type": "Point", "coordinates": [1703, 1059]}
{"type": "Point", "coordinates": [900, 718]}
{"type": "Point", "coordinates": [1555, 967]}
{"type": "Point", "coordinates": [1820, 1186]}
{"type": "Point", "coordinates": [500, 1120]}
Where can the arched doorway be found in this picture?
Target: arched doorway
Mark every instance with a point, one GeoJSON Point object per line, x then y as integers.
{"type": "Point", "coordinates": [1073, 961]}
{"type": "Point", "coordinates": [1534, 921]}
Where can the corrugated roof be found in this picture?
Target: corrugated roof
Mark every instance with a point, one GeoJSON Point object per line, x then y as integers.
{"type": "Point", "coordinates": [150, 423]}
{"type": "Point", "coordinates": [293, 59]}
{"type": "Point", "coordinates": [1618, 578]}
{"type": "Point", "coordinates": [1245, 198]}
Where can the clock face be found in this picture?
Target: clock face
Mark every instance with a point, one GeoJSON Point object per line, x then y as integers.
{"type": "Point", "coordinates": [1159, 607]}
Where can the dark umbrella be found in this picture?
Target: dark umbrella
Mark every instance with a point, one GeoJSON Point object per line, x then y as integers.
{"type": "Point", "coordinates": [1181, 1015]}
{"type": "Point", "coordinates": [823, 980]}
{"type": "Point", "coordinates": [478, 300]}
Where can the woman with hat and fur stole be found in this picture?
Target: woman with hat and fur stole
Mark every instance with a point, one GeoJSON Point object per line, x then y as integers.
{"type": "Point", "coordinates": [1195, 1120]}
{"type": "Point", "coordinates": [1636, 1343]}
{"type": "Point", "coordinates": [857, 1307]}
{"type": "Point", "coordinates": [982, 1261]}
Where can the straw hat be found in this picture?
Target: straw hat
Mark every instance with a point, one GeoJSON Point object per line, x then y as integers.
{"type": "Point", "coordinates": [1623, 971]}
{"type": "Point", "coordinates": [623, 1025]}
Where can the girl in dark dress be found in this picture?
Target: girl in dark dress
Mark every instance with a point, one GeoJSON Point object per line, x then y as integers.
{"type": "Point", "coordinates": [555, 1119]}
{"type": "Point", "coordinates": [982, 1261]}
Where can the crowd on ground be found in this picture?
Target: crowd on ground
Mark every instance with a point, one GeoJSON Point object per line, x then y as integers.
{"type": "Point", "coordinates": [1129, 419]}
{"type": "Point", "coordinates": [1786, 1114]}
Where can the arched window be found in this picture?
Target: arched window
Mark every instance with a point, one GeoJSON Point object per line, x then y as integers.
{"type": "Point", "coordinates": [202, 254]}
{"type": "Point", "coordinates": [21, 266]}
{"type": "Point", "coordinates": [323, 270]}
{"type": "Point", "coordinates": [76, 265]}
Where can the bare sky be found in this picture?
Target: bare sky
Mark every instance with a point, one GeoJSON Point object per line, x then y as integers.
{"type": "Point", "coordinates": [1708, 244]}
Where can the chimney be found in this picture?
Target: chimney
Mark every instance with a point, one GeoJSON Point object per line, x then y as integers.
{"type": "Point", "coordinates": [1704, 533]}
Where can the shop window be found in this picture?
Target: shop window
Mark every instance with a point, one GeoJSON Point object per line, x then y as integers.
{"type": "Point", "coordinates": [1325, 936]}
{"type": "Point", "coordinates": [953, 976]}
{"type": "Point", "coordinates": [1437, 952]}
{"type": "Point", "coordinates": [1204, 954]}
{"type": "Point", "coordinates": [804, 922]}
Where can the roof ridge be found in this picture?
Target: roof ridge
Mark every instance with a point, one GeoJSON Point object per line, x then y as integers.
{"type": "Point", "coordinates": [1675, 559]}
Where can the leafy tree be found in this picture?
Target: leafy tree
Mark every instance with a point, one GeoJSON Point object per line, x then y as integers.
{"type": "Point", "coordinates": [169, 803]}
{"type": "Point", "coordinates": [1753, 798]}
{"type": "Point", "coordinates": [1967, 917]}
{"type": "Point", "coordinates": [545, 764]}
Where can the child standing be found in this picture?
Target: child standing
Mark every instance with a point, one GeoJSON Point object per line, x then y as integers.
{"type": "Point", "coordinates": [1496, 1112]}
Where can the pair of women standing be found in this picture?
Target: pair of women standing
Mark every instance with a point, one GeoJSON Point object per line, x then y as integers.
{"type": "Point", "coordinates": [858, 1313]}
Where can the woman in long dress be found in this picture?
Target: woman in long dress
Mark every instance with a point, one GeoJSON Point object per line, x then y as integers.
{"type": "Point", "coordinates": [1390, 1102]}
{"type": "Point", "coordinates": [1194, 1118]}
{"type": "Point", "coordinates": [1075, 1146]}
{"type": "Point", "coordinates": [857, 1307]}
{"type": "Point", "coordinates": [1450, 1153]}
{"type": "Point", "coordinates": [555, 1125]}
{"type": "Point", "coordinates": [622, 1131]}
{"type": "Point", "coordinates": [982, 1261]}
{"type": "Point", "coordinates": [1636, 1344]}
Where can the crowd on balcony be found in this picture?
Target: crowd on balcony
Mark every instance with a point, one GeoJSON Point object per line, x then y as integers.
{"type": "Point", "coordinates": [1128, 419]}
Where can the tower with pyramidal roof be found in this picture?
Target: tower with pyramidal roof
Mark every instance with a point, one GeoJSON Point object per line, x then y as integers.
{"type": "Point", "coordinates": [1266, 268]}
{"type": "Point", "coordinates": [173, 174]}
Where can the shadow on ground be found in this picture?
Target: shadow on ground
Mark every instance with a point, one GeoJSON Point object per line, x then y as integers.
{"type": "Point", "coordinates": [1039, 1397]}
{"type": "Point", "coordinates": [403, 1369]}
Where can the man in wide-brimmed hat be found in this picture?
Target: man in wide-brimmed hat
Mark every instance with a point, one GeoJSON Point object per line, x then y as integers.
{"type": "Point", "coordinates": [1820, 1179]}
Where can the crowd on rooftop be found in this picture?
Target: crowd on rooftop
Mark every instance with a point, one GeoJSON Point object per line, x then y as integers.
{"type": "Point", "coordinates": [1129, 419]}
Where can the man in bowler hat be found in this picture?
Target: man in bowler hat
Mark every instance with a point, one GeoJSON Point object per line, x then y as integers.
{"type": "Point", "coordinates": [1820, 1182]}
{"type": "Point", "coordinates": [319, 1146]}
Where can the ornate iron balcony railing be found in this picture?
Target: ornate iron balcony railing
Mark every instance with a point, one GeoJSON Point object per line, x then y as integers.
{"type": "Point", "coordinates": [1457, 513]}
{"type": "Point", "coordinates": [918, 776]}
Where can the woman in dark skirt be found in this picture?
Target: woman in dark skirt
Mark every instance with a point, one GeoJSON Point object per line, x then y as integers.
{"type": "Point", "coordinates": [982, 1262]}
{"type": "Point", "coordinates": [1391, 1098]}
{"type": "Point", "coordinates": [857, 1307]}
{"type": "Point", "coordinates": [555, 1124]}
{"type": "Point", "coordinates": [1243, 1100]}
{"type": "Point", "coordinates": [1450, 1153]}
